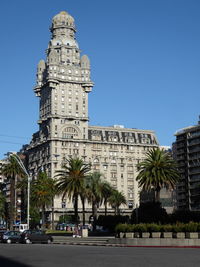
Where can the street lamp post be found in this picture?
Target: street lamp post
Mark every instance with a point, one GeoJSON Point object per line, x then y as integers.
{"type": "Point", "coordinates": [19, 161]}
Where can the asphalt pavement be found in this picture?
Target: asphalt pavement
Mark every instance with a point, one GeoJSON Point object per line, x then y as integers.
{"type": "Point", "coordinates": [43, 255]}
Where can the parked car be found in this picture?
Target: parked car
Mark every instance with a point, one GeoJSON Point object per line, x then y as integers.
{"type": "Point", "coordinates": [35, 236]}
{"type": "Point", "coordinates": [11, 237]}
{"type": "Point", "coordinates": [2, 231]}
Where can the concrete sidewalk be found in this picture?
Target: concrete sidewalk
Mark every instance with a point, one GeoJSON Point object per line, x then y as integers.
{"type": "Point", "coordinates": [128, 242]}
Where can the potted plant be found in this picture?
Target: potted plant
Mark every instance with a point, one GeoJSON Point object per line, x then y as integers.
{"type": "Point", "coordinates": [137, 230]}
{"type": "Point", "coordinates": [178, 231]}
{"type": "Point", "coordinates": [191, 230]}
{"type": "Point", "coordinates": [154, 230]}
{"type": "Point", "coordinates": [129, 231]}
{"type": "Point", "coordinates": [142, 228]}
{"type": "Point", "coordinates": [166, 231]}
{"type": "Point", "coordinates": [121, 229]}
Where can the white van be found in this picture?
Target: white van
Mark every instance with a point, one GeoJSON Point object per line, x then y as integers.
{"type": "Point", "coordinates": [23, 227]}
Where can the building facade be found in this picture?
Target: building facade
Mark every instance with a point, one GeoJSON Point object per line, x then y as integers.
{"type": "Point", "coordinates": [186, 151]}
{"type": "Point", "coordinates": [63, 85]}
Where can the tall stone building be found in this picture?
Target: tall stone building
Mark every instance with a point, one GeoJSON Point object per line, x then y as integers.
{"type": "Point", "coordinates": [63, 84]}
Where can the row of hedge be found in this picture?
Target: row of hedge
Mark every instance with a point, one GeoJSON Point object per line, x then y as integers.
{"type": "Point", "coordinates": [152, 227]}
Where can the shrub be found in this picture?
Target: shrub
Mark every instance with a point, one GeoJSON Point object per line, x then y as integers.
{"type": "Point", "coordinates": [140, 228]}
{"type": "Point", "coordinates": [109, 222]}
{"type": "Point", "coordinates": [166, 228]}
{"type": "Point", "coordinates": [150, 212]}
{"type": "Point", "coordinates": [121, 228]}
{"type": "Point", "coordinates": [153, 227]}
{"type": "Point", "coordinates": [198, 227]}
{"type": "Point", "coordinates": [191, 227]}
{"type": "Point", "coordinates": [179, 227]}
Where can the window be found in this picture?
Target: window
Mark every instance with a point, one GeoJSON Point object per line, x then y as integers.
{"type": "Point", "coordinates": [69, 132]}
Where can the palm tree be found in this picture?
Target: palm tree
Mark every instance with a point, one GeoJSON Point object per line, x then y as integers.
{"type": "Point", "coordinates": [42, 193]}
{"type": "Point", "coordinates": [107, 190]}
{"type": "Point", "coordinates": [70, 180]}
{"type": "Point", "coordinates": [158, 170]}
{"type": "Point", "coordinates": [116, 200]}
{"type": "Point", "coordinates": [12, 171]}
{"type": "Point", "coordinates": [94, 184]}
{"type": "Point", "coordinates": [84, 196]}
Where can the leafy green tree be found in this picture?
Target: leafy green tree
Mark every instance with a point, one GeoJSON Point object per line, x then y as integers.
{"type": "Point", "coordinates": [156, 171]}
{"type": "Point", "coordinates": [116, 200]}
{"type": "Point", "coordinates": [150, 212]}
{"type": "Point", "coordinates": [70, 180]}
{"type": "Point", "coordinates": [42, 193]}
{"type": "Point", "coordinates": [12, 171]}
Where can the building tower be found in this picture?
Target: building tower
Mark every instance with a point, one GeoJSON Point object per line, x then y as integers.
{"type": "Point", "coordinates": [186, 151]}
{"type": "Point", "coordinates": [63, 84]}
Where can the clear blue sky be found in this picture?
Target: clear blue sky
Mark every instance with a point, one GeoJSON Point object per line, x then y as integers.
{"type": "Point", "coordinates": [145, 62]}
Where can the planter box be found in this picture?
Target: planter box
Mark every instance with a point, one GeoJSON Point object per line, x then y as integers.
{"type": "Point", "coordinates": [129, 235]}
{"type": "Point", "coordinates": [193, 235]}
{"type": "Point", "coordinates": [122, 235]}
{"type": "Point", "coordinates": [84, 233]}
{"type": "Point", "coordinates": [137, 235]}
{"type": "Point", "coordinates": [180, 235]}
{"type": "Point", "coordinates": [167, 234]}
{"type": "Point", "coordinates": [145, 235]}
{"type": "Point", "coordinates": [155, 234]}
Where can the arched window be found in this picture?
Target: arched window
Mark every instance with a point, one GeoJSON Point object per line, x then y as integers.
{"type": "Point", "coordinates": [96, 160]}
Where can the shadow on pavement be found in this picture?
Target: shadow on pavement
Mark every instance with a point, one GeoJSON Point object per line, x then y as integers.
{"type": "Point", "coordinates": [4, 262]}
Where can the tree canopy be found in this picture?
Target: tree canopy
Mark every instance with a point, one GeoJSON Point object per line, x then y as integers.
{"type": "Point", "coordinates": [158, 170]}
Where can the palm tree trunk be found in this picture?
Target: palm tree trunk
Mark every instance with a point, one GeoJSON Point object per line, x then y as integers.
{"type": "Point", "coordinates": [105, 203]}
{"type": "Point", "coordinates": [115, 211]}
{"type": "Point", "coordinates": [76, 208]}
{"type": "Point", "coordinates": [118, 210]}
{"type": "Point", "coordinates": [157, 195]}
{"type": "Point", "coordinates": [52, 219]}
{"type": "Point", "coordinates": [43, 217]}
{"type": "Point", "coordinates": [83, 209]}
{"type": "Point", "coordinates": [12, 203]}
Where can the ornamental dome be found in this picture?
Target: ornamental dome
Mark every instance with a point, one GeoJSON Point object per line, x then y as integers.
{"type": "Point", "coordinates": [63, 19]}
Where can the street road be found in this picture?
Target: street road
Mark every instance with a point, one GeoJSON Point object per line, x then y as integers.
{"type": "Point", "coordinates": [21, 255]}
